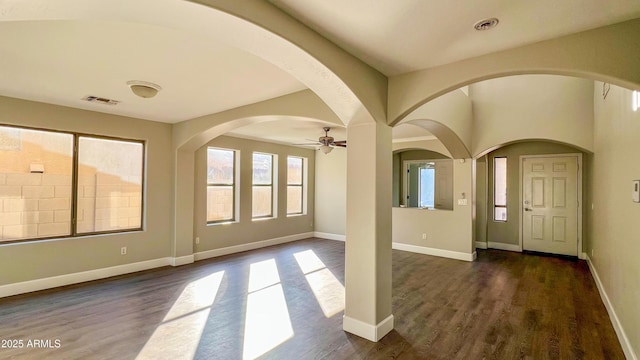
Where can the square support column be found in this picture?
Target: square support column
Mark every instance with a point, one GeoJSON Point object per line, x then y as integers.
{"type": "Point", "coordinates": [182, 247]}
{"type": "Point", "coordinates": [368, 244]}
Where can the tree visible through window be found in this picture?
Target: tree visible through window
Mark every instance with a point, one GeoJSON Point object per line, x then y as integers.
{"type": "Point", "coordinates": [221, 172]}
{"type": "Point", "coordinates": [295, 185]}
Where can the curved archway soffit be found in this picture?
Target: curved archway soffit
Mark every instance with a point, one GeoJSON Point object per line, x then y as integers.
{"type": "Point", "coordinates": [213, 132]}
{"type": "Point", "coordinates": [304, 104]}
{"type": "Point", "coordinates": [448, 137]}
{"type": "Point", "coordinates": [415, 148]}
{"type": "Point", "coordinates": [524, 140]}
{"type": "Point", "coordinates": [608, 54]}
{"type": "Point", "coordinates": [353, 90]}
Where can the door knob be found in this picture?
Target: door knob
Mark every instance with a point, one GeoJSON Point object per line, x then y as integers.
{"type": "Point", "coordinates": [527, 209]}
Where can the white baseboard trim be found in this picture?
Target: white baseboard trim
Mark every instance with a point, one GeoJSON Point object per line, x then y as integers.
{"type": "Point", "coordinates": [622, 336]}
{"type": "Point", "coordinates": [367, 331]}
{"type": "Point", "coordinates": [481, 245]}
{"type": "Point", "coordinates": [74, 278]}
{"type": "Point", "coordinates": [182, 260]}
{"type": "Point", "coordinates": [433, 251]}
{"type": "Point", "coordinates": [582, 256]}
{"type": "Point", "coordinates": [329, 236]}
{"type": "Point", "coordinates": [503, 246]}
{"type": "Point", "coordinates": [250, 246]}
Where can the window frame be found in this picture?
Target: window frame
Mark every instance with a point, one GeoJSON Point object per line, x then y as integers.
{"type": "Point", "coordinates": [234, 187]}
{"type": "Point", "coordinates": [428, 166]}
{"type": "Point", "coordinates": [73, 221]}
{"type": "Point", "coordinates": [506, 176]}
{"type": "Point", "coordinates": [271, 185]}
{"type": "Point", "coordinates": [301, 185]}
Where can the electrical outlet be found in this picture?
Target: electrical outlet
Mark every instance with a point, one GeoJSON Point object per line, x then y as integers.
{"type": "Point", "coordinates": [592, 253]}
{"type": "Point", "coordinates": [424, 236]}
{"type": "Point", "coordinates": [197, 240]}
{"type": "Point", "coordinates": [123, 250]}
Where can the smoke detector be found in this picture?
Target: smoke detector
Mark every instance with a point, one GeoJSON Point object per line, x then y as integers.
{"type": "Point", "coordinates": [486, 24]}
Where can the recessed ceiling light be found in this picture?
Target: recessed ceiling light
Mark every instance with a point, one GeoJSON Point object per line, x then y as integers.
{"type": "Point", "coordinates": [486, 24]}
{"type": "Point", "coordinates": [144, 89]}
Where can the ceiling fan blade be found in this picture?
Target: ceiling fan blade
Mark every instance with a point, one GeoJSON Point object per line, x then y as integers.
{"type": "Point", "coordinates": [309, 144]}
{"type": "Point", "coordinates": [340, 144]}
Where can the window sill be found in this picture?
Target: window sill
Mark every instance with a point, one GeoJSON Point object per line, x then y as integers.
{"type": "Point", "coordinates": [264, 218]}
{"type": "Point", "coordinates": [296, 215]}
{"type": "Point", "coordinates": [222, 223]}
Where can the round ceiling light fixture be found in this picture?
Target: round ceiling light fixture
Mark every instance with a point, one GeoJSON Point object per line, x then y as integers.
{"type": "Point", "coordinates": [144, 89]}
{"type": "Point", "coordinates": [486, 24]}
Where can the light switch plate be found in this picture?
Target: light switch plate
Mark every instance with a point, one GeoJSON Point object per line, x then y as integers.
{"type": "Point", "coordinates": [462, 201]}
{"type": "Point", "coordinates": [635, 192]}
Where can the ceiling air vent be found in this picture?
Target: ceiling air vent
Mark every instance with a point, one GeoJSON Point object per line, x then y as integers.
{"type": "Point", "coordinates": [100, 100]}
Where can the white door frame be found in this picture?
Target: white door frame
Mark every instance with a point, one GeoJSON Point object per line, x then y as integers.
{"type": "Point", "coordinates": [582, 255]}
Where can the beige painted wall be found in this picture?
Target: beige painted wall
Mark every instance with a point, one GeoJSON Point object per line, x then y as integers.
{"type": "Point", "coordinates": [331, 192]}
{"type": "Point", "coordinates": [246, 230]}
{"type": "Point", "coordinates": [615, 240]}
{"type": "Point", "coordinates": [532, 107]}
{"type": "Point", "coordinates": [480, 197]}
{"type": "Point", "coordinates": [508, 232]}
{"type": "Point", "coordinates": [72, 255]}
{"type": "Point", "coordinates": [446, 230]}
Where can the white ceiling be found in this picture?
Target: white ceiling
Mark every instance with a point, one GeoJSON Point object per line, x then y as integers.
{"type": "Point", "coordinates": [60, 61]}
{"type": "Point", "coordinates": [407, 35]}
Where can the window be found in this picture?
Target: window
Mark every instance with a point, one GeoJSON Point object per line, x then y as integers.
{"type": "Point", "coordinates": [109, 191]}
{"type": "Point", "coordinates": [426, 184]}
{"type": "Point", "coordinates": [221, 175]}
{"type": "Point", "coordinates": [295, 185]}
{"type": "Point", "coordinates": [426, 191]}
{"type": "Point", "coordinates": [59, 184]}
{"type": "Point", "coordinates": [500, 189]}
{"type": "Point", "coordinates": [262, 196]}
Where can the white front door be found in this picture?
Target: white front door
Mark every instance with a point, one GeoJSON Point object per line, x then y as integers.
{"type": "Point", "coordinates": [550, 204]}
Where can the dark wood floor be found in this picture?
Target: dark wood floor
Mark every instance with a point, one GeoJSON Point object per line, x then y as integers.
{"type": "Point", "coordinates": [505, 305]}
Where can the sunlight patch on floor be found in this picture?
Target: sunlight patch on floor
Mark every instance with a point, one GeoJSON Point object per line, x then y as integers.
{"type": "Point", "coordinates": [267, 322]}
{"type": "Point", "coordinates": [263, 274]}
{"type": "Point", "coordinates": [327, 289]}
{"type": "Point", "coordinates": [178, 336]}
{"type": "Point", "coordinates": [308, 261]}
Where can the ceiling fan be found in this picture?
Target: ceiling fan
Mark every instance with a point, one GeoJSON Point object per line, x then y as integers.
{"type": "Point", "coordinates": [326, 142]}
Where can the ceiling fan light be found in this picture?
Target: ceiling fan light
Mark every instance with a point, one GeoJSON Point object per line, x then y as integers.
{"type": "Point", "coordinates": [326, 149]}
{"type": "Point", "coordinates": [144, 89]}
